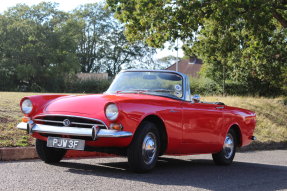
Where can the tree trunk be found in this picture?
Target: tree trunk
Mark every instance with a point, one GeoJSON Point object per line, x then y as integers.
{"type": "Point", "coordinates": [280, 19]}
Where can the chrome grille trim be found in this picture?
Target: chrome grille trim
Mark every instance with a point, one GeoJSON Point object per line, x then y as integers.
{"type": "Point", "coordinates": [73, 123]}
{"type": "Point", "coordinates": [76, 123]}
{"type": "Point", "coordinates": [97, 121]}
{"type": "Point", "coordinates": [50, 121]}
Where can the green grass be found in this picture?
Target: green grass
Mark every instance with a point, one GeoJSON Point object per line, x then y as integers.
{"type": "Point", "coordinates": [271, 117]}
{"type": "Point", "coordinates": [10, 116]}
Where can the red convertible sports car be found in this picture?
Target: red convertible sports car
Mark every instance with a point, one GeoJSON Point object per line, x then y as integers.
{"type": "Point", "coordinates": [143, 114]}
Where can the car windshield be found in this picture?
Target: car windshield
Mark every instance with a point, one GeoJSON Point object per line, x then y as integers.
{"type": "Point", "coordinates": [157, 83]}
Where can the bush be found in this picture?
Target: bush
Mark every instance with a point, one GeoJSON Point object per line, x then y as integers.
{"type": "Point", "coordinates": [6, 81]}
{"type": "Point", "coordinates": [234, 88]}
{"type": "Point", "coordinates": [87, 86]}
{"type": "Point", "coordinates": [68, 84]}
{"type": "Point", "coordinates": [204, 86]}
{"type": "Point", "coordinates": [252, 89]}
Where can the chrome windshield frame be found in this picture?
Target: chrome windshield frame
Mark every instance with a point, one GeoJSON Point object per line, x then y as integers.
{"type": "Point", "coordinates": [186, 88]}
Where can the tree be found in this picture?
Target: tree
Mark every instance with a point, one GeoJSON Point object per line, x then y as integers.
{"type": "Point", "coordinates": [41, 47]}
{"type": "Point", "coordinates": [93, 24]}
{"type": "Point", "coordinates": [239, 40]}
{"type": "Point", "coordinates": [158, 21]}
{"type": "Point", "coordinates": [121, 53]}
{"type": "Point", "coordinates": [102, 45]}
{"type": "Point", "coordinates": [35, 49]}
{"type": "Point", "coordinates": [167, 61]}
{"type": "Point", "coordinates": [256, 61]}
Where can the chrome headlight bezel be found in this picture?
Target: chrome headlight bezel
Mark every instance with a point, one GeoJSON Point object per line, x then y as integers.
{"type": "Point", "coordinates": [112, 112]}
{"type": "Point", "coordinates": [26, 106]}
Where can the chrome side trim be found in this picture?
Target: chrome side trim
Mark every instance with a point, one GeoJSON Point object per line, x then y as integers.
{"type": "Point", "coordinates": [61, 115]}
{"type": "Point", "coordinates": [74, 131]}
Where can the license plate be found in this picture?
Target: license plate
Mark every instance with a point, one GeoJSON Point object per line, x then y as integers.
{"type": "Point", "coordinates": [66, 143]}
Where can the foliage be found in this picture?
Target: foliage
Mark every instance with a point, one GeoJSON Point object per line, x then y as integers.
{"type": "Point", "coordinates": [41, 47]}
{"type": "Point", "coordinates": [34, 49]}
{"type": "Point", "coordinates": [167, 61]}
{"type": "Point", "coordinates": [102, 46]}
{"type": "Point", "coordinates": [158, 21]}
{"type": "Point", "coordinates": [204, 86]}
{"type": "Point", "coordinates": [92, 23]}
{"type": "Point", "coordinates": [87, 86]}
{"type": "Point", "coordinates": [240, 41]}
{"type": "Point", "coordinates": [254, 62]}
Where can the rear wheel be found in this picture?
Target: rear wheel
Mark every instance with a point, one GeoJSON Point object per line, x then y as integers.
{"type": "Point", "coordinates": [226, 155]}
{"type": "Point", "coordinates": [144, 149]}
{"type": "Point", "coordinates": [47, 154]}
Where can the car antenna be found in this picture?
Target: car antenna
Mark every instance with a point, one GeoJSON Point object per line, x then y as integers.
{"type": "Point", "coordinates": [177, 56]}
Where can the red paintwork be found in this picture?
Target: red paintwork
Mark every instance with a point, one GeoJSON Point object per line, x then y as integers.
{"type": "Point", "coordinates": [191, 127]}
{"type": "Point", "coordinates": [84, 154]}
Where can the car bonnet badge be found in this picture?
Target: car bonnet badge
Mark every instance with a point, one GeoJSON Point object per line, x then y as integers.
{"type": "Point", "coordinates": [66, 122]}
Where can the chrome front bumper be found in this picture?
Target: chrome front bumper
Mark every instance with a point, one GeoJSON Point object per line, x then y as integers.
{"type": "Point", "coordinates": [94, 132]}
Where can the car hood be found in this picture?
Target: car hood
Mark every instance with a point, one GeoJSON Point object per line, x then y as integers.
{"type": "Point", "coordinates": [93, 105]}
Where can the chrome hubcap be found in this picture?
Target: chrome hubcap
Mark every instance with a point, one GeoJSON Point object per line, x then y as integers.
{"type": "Point", "coordinates": [228, 146]}
{"type": "Point", "coordinates": [149, 148]}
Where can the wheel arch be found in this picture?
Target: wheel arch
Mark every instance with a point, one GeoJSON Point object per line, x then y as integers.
{"type": "Point", "coordinates": [237, 130]}
{"type": "Point", "coordinates": [162, 130]}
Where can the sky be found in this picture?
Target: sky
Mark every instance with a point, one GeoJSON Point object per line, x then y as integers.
{"type": "Point", "coordinates": [68, 5]}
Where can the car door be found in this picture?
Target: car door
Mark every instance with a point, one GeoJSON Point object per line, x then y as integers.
{"type": "Point", "coordinates": [202, 124]}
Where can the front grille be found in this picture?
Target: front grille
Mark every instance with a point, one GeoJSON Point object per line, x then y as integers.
{"type": "Point", "coordinates": [75, 121]}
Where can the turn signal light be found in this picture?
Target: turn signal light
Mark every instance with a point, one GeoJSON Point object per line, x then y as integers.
{"type": "Point", "coordinates": [25, 119]}
{"type": "Point", "coordinates": [116, 126]}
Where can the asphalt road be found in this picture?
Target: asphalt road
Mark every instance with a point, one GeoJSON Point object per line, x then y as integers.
{"type": "Point", "coordinates": [262, 170]}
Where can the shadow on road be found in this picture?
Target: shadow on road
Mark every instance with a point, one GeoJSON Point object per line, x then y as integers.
{"type": "Point", "coordinates": [197, 173]}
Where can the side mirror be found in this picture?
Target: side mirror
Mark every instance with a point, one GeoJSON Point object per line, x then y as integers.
{"type": "Point", "coordinates": [195, 98]}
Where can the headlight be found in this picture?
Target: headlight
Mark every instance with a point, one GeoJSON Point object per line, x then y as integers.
{"type": "Point", "coordinates": [112, 112]}
{"type": "Point", "coordinates": [26, 106]}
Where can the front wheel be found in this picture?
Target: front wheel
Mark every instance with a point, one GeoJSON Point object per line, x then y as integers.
{"type": "Point", "coordinates": [144, 149]}
{"type": "Point", "coordinates": [226, 155]}
{"type": "Point", "coordinates": [47, 154]}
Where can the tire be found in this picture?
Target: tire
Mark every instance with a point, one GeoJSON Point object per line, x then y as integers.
{"type": "Point", "coordinates": [47, 154]}
{"type": "Point", "coordinates": [140, 157]}
{"type": "Point", "coordinates": [226, 155]}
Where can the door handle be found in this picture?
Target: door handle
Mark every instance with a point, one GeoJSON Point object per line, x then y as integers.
{"type": "Point", "coordinates": [221, 107]}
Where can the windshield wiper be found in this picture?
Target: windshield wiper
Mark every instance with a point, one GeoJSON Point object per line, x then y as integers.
{"type": "Point", "coordinates": [132, 91]}
{"type": "Point", "coordinates": [141, 90]}
{"type": "Point", "coordinates": [144, 91]}
{"type": "Point", "coordinates": [161, 90]}
{"type": "Point", "coordinates": [151, 92]}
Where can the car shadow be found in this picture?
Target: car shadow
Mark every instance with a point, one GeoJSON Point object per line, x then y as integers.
{"type": "Point", "coordinates": [196, 173]}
